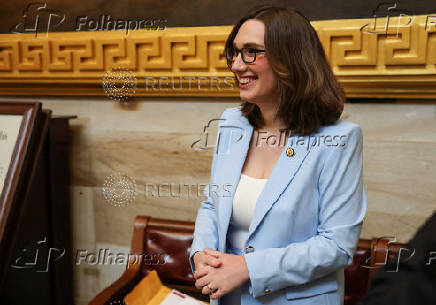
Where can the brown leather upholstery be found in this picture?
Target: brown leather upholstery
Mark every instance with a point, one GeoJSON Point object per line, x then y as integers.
{"type": "Point", "coordinates": [165, 246]}
{"type": "Point", "coordinates": [357, 277]}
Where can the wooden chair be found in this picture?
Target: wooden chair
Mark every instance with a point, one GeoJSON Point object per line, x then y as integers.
{"type": "Point", "coordinates": [156, 237]}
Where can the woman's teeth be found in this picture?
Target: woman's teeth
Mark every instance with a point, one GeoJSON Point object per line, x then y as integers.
{"type": "Point", "coordinates": [246, 80]}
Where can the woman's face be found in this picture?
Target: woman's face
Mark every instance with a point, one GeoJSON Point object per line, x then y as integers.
{"type": "Point", "coordinates": [262, 86]}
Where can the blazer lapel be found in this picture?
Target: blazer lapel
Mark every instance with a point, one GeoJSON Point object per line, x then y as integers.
{"type": "Point", "coordinates": [233, 158]}
{"type": "Point", "coordinates": [282, 175]}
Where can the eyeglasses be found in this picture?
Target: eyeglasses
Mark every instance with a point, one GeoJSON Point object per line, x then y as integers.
{"type": "Point", "coordinates": [248, 55]}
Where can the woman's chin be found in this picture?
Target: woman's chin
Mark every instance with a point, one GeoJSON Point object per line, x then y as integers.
{"type": "Point", "coordinates": [246, 96]}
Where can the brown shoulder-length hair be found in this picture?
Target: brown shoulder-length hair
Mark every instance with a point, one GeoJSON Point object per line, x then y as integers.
{"type": "Point", "coordinates": [310, 95]}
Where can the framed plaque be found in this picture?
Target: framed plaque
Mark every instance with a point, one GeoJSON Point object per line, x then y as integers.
{"type": "Point", "coordinates": [34, 206]}
{"type": "Point", "coordinates": [18, 133]}
{"type": "Point", "coordinates": [9, 130]}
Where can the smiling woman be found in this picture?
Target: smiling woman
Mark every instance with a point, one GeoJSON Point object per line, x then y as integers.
{"type": "Point", "coordinates": [293, 221]}
{"type": "Point", "coordinates": [288, 66]}
{"type": "Point", "coordinates": [254, 74]}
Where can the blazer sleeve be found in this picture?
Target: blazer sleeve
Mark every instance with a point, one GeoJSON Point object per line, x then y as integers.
{"type": "Point", "coordinates": [342, 207]}
{"type": "Point", "coordinates": [206, 225]}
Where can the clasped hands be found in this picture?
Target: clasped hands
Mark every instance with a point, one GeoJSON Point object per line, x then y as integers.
{"type": "Point", "coordinates": [222, 272]}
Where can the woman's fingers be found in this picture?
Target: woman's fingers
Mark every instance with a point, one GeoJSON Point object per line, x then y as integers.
{"type": "Point", "coordinates": [212, 252]}
{"type": "Point", "coordinates": [212, 261]}
{"type": "Point", "coordinates": [213, 257]}
{"type": "Point", "coordinates": [206, 290]}
{"type": "Point", "coordinates": [202, 271]}
{"type": "Point", "coordinates": [202, 277]}
{"type": "Point", "coordinates": [204, 261]}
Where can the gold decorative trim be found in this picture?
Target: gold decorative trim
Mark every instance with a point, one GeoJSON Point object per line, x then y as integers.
{"type": "Point", "coordinates": [395, 61]}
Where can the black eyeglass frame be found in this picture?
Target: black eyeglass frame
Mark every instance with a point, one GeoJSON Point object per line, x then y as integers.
{"type": "Point", "coordinates": [233, 49]}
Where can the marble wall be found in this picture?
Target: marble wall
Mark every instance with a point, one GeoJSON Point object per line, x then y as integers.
{"type": "Point", "coordinates": [150, 142]}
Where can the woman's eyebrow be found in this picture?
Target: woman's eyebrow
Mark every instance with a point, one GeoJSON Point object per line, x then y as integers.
{"type": "Point", "coordinates": [249, 44]}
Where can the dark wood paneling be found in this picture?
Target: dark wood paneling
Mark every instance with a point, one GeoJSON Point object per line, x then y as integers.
{"type": "Point", "coordinates": [200, 12]}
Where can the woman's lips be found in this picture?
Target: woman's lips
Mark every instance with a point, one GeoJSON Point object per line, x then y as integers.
{"type": "Point", "coordinates": [251, 82]}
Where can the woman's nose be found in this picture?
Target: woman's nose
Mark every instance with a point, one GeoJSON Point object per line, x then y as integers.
{"type": "Point", "coordinates": [238, 64]}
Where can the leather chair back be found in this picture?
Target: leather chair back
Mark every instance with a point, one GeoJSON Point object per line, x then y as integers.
{"type": "Point", "coordinates": [165, 246]}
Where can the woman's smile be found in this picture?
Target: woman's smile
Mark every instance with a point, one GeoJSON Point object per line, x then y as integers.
{"type": "Point", "coordinates": [246, 82]}
{"type": "Point", "coordinates": [257, 80]}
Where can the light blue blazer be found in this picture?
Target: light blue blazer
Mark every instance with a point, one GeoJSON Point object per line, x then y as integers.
{"type": "Point", "coordinates": [307, 219]}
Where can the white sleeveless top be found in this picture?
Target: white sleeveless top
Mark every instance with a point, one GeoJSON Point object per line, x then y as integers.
{"type": "Point", "coordinates": [244, 203]}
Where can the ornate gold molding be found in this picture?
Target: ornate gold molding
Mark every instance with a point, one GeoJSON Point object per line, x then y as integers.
{"type": "Point", "coordinates": [397, 60]}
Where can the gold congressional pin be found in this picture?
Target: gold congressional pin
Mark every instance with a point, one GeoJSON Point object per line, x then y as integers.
{"type": "Point", "coordinates": [290, 152]}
